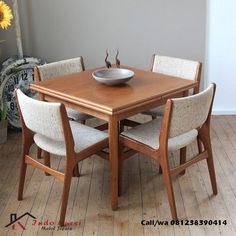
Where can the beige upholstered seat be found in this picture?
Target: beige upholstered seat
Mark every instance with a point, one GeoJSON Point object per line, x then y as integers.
{"type": "Point", "coordinates": [47, 125]}
{"type": "Point", "coordinates": [77, 115]}
{"type": "Point", "coordinates": [147, 134]}
{"type": "Point", "coordinates": [155, 112]}
{"type": "Point", "coordinates": [182, 68]}
{"type": "Point", "coordinates": [60, 68]}
{"type": "Point", "coordinates": [185, 119]}
{"type": "Point", "coordinates": [83, 136]}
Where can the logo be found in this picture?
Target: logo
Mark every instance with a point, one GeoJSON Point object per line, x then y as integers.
{"type": "Point", "coordinates": [15, 221]}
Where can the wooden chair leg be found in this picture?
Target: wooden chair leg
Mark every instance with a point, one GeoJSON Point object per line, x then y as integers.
{"type": "Point", "coordinates": [160, 170]}
{"type": "Point", "coordinates": [199, 144]}
{"type": "Point", "coordinates": [22, 178]}
{"type": "Point", "coordinates": [65, 196]}
{"type": "Point", "coordinates": [47, 162]}
{"type": "Point", "coordinates": [122, 126]}
{"type": "Point", "coordinates": [210, 163]}
{"type": "Point", "coordinates": [183, 158]}
{"type": "Point", "coordinates": [168, 183]}
{"type": "Point", "coordinates": [76, 171]}
{"type": "Point", "coordinates": [211, 169]}
{"type": "Point", "coordinates": [27, 142]}
{"type": "Point", "coordinates": [120, 166]}
{"type": "Point", "coordinates": [39, 153]}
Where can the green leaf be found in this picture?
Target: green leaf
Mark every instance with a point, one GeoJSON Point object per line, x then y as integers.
{"type": "Point", "coordinates": [4, 113]}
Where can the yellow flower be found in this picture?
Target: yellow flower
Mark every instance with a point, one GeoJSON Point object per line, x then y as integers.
{"type": "Point", "coordinates": [5, 15]}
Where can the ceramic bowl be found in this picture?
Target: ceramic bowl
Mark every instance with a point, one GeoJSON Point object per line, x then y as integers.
{"type": "Point", "coordinates": [113, 76]}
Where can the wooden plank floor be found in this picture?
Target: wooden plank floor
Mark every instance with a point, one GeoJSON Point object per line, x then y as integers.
{"type": "Point", "coordinates": [143, 194]}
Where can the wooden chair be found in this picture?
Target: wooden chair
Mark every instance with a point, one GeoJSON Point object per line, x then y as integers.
{"type": "Point", "coordinates": [184, 120]}
{"type": "Point", "coordinates": [182, 68]}
{"type": "Point", "coordinates": [47, 125]}
{"type": "Point", "coordinates": [172, 66]}
{"type": "Point", "coordinates": [60, 68]}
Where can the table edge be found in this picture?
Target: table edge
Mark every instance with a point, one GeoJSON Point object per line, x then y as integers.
{"type": "Point", "coordinates": [105, 109]}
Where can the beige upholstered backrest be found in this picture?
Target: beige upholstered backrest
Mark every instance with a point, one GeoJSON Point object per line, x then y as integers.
{"type": "Point", "coordinates": [41, 117]}
{"type": "Point", "coordinates": [61, 68]}
{"type": "Point", "coordinates": [190, 112]}
{"type": "Point", "coordinates": [172, 66]}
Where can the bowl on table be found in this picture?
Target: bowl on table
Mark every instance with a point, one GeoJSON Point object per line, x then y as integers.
{"type": "Point", "coordinates": [113, 76]}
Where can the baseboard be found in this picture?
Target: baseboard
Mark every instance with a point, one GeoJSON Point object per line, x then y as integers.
{"type": "Point", "coordinates": [223, 112]}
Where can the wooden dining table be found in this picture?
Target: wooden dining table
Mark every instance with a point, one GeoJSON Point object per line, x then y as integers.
{"type": "Point", "coordinates": [82, 92]}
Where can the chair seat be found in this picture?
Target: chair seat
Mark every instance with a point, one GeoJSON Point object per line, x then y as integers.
{"type": "Point", "coordinates": [76, 115]}
{"type": "Point", "coordinates": [158, 111]}
{"type": "Point", "coordinates": [84, 137]}
{"type": "Point", "coordinates": [149, 132]}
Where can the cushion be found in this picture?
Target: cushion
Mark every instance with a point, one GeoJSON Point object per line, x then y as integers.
{"type": "Point", "coordinates": [190, 112]}
{"type": "Point", "coordinates": [84, 136]}
{"type": "Point", "coordinates": [76, 115]}
{"type": "Point", "coordinates": [149, 132]}
{"type": "Point", "coordinates": [41, 117]}
{"type": "Point", "coordinates": [158, 111]}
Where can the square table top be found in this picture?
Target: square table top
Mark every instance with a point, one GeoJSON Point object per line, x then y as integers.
{"type": "Point", "coordinates": [82, 88]}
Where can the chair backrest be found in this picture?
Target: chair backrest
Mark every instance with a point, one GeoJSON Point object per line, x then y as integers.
{"type": "Point", "coordinates": [41, 117]}
{"type": "Point", "coordinates": [60, 68]}
{"type": "Point", "coordinates": [172, 66]}
{"type": "Point", "coordinates": [182, 68]}
{"type": "Point", "coordinates": [190, 112]}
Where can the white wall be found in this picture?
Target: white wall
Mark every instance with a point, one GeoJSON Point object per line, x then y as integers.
{"type": "Point", "coordinates": [59, 29]}
{"type": "Point", "coordinates": [221, 54]}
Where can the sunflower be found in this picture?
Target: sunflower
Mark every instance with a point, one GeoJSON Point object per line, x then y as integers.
{"type": "Point", "coordinates": [5, 15]}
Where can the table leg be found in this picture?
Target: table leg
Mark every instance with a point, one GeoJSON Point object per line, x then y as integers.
{"type": "Point", "coordinates": [113, 157]}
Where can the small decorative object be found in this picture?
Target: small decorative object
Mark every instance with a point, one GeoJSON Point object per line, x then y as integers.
{"type": "Point", "coordinates": [117, 60]}
{"type": "Point", "coordinates": [108, 64]}
{"type": "Point", "coordinates": [113, 76]}
{"type": "Point", "coordinates": [3, 124]}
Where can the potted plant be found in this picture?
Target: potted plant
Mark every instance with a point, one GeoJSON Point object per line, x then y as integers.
{"type": "Point", "coordinates": [5, 21]}
{"type": "Point", "coordinates": [3, 124]}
